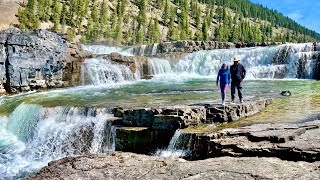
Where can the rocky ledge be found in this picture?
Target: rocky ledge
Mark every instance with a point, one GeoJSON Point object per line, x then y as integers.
{"type": "Point", "coordinates": [137, 64]}
{"type": "Point", "coordinates": [164, 48]}
{"type": "Point", "coordinates": [294, 141]}
{"type": "Point", "coordinates": [144, 130]}
{"type": "Point", "coordinates": [37, 59]}
{"type": "Point", "coordinates": [118, 165]}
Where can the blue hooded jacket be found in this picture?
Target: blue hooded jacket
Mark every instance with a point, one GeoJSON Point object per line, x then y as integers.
{"type": "Point", "coordinates": [224, 76]}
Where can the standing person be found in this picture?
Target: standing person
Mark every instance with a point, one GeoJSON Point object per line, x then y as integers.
{"type": "Point", "coordinates": [224, 77]}
{"type": "Point", "coordinates": [238, 73]}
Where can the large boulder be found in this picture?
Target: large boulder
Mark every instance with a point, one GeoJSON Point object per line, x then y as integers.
{"type": "Point", "coordinates": [34, 59]}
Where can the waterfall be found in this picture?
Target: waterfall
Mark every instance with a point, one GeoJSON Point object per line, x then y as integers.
{"type": "Point", "coordinates": [29, 141]}
{"type": "Point", "coordinates": [154, 49]}
{"type": "Point", "coordinates": [179, 146]}
{"type": "Point", "coordinates": [283, 61]}
{"type": "Point", "coordinates": [101, 71]}
{"type": "Point", "coordinates": [101, 49]}
{"type": "Point", "coordinates": [158, 66]}
{"type": "Point", "coordinates": [144, 50]}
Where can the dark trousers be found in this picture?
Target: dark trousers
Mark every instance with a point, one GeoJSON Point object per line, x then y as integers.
{"type": "Point", "coordinates": [235, 85]}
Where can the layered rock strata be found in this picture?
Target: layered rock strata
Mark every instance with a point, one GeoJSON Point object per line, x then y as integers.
{"type": "Point", "coordinates": [154, 127]}
{"type": "Point", "coordinates": [294, 141]}
{"type": "Point", "coordinates": [36, 59]}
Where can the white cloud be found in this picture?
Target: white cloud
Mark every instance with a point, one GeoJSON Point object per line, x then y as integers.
{"type": "Point", "coordinates": [297, 16]}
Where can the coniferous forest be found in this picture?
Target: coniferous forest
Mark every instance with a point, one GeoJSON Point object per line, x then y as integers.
{"type": "Point", "coordinates": [152, 21]}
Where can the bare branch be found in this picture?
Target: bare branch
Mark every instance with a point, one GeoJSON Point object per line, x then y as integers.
{"type": "Point", "coordinates": [21, 3]}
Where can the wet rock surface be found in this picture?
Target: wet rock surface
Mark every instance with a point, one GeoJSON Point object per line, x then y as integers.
{"type": "Point", "coordinates": [118, 165]}
{"type": "Point", "coordinates": [35, 59]}
{"type": "Point", "coordinates": [165, 48]}
{"type": "Point", "coordinates": [135, 63]}
{"type": "Point", "coordinates": [154, 127]}
{"type": "Point", "coordinates": [179, 117]}
{"type": "Point", "coordinates": [179, 47]}
{"type": "Point", "coordinates": [294, 141]}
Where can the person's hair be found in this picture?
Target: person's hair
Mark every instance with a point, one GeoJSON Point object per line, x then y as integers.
{"type": "Point", "coordinates": [225, 66]}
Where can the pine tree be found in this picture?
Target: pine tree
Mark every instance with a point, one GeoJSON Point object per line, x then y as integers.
{"type": "Point", "coordinates": [150, 32]}
{"type": "Point", "coordinates": [41, 7]}
{"type": "Point", "coordinates": [156, 32]}
{"type": "Point", "coordinates": [141, 20]}
{"type": "Point", "coordinates": [103, 17]}
{"type": "Point", "coordinates": [166, 13]}
{"type": "Point", "coordinates": [205, 35]}
{"type": "Point", "coordinates": [47, 10]}
{"type": "Point", "coordinates": [171, 28]}
{"type": "Point", "coordinates": [63, 19]}
{"type": "Point", "coordinates": [56, 10]}
{"type": "Point", "coordinates": [118, 35]}
{"type": "Point", "coordinates": [23, 18]}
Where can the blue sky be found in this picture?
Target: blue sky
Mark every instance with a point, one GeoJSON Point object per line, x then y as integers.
{"type": "Point", "coordinates": [305, 12]}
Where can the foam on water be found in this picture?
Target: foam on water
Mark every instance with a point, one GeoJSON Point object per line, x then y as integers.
{"type": "Point", "coordinates": [179, 146]}
{"type": "Point", "coordinates": [97, 71]}
{"type": "Point", "coordinates": [33, 136]}
{"type": "Point", "coordinates": [159, 66]}
{"type": "Point", "coordinates": [101, 49]}
{"type": "Point", "coordinates": [283, 61]}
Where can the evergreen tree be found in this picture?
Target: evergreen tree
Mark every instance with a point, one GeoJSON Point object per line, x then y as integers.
{"type": "Point", "coordinates": [171, 28]}
{"type": "Point", "coordinates": [205, 35]}
{"type": "Point", "coordinates": [63, 19]}
{"type": "Point", "coordinates": [56, 10]}
{"type": "Point", "coordinates": [141, 20]}
{"type": "Point", "coordinates": [23, 18]}
{"type": "Point", "coordinates": [103, 17]}
{"type": "Point", "coordinates": [166, 13]}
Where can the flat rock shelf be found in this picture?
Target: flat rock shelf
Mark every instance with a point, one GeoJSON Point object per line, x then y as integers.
{"type": "Point", "coordinates": [143, 130]}
{"type": "Point", "coordinates": [117, 165]}
{"type": "Point", "coordinates": [290, 141]}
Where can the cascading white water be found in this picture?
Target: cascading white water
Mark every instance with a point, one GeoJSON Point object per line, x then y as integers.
{"type": "Point", "coordinates": [144, 50]}
{"type": "Point", "coordinates": [179, 146]}
{"type": "Point", "coordinates": [283, 61]}
{"type": "Point", "coordinates": [40, 135]}
{"type": "Point", "coordinates": [101, 71]}
{"type": "Point", "coordinates": [154, 49]}
{"type": "Point", "coordinates": [101, 49]}
{"type": "Point", "coordinates": [158, 66]}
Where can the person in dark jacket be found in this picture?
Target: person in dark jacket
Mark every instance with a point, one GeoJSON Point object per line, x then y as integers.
{"type": "Point", "coordinates": [224, 79]}
{"type": "Point", "coordinates": [238, 73]}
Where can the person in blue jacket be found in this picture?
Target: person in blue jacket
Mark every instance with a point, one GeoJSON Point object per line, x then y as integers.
{"type": "Point", "coordinates": [224, 79]}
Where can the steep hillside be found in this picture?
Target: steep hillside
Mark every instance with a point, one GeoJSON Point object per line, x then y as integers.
{"type": "Point", "coordinates": [151, 21]}
{"type": "Point", "coordinates": [8, 9]}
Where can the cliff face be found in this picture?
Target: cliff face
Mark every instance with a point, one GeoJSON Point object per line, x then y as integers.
{"type": "Point", "coordinates": [34, 59]}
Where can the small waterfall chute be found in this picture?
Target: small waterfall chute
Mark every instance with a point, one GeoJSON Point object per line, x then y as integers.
{"type": "Point", "coordinates": [97, 71]}
{"type": "Point", "coordinates": [158, 66]}
{"type": "Point", "coordinates": [179, 146]}
{"type": "Point", "coordinates": [101, 49]}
